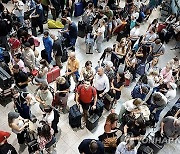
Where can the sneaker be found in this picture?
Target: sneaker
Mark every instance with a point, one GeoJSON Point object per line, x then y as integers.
{"type": "Point", "coordinates": [83, 125]}
{"type": "Point", "coordinates": [114, 106]}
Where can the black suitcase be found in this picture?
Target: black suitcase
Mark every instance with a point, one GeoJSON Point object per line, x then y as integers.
{"type": "Point", "coordinates": [33, 146]}
{"type": "Point", "coordinates": [143, 149]}
{"type": "Point", "coordinates": [74, 116]}
{"type": "Point", "coordinates": [5, 79]}
{"type": "Point", "coordinates": [81, 29]}
{"type": "Point", "coordinates": [108, 103]}
{"type": "Point", "coordinates": [99, 108]}
{"type": "Point", "coordinates": [7, 148]}
{"type": "Point", "coordinates": [152, 143]}
{"type": "Point", "coordinates": [92, 122]}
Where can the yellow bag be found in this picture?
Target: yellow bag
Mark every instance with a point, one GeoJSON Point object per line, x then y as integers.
{"type": "Point", "coordinates": [52, 24]}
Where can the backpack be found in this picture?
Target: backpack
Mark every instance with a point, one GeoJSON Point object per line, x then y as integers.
{"type": "Point", "coordinates": [64, 55]}
{"type": "Point", "coordinates": [141, 69]}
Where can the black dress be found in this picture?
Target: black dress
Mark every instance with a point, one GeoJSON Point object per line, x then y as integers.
{"type": "Point", "coordinates": [117, 85]}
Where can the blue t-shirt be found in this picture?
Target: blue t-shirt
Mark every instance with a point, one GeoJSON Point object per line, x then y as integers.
{"type": "Point", "coordinates": [73, 30]}
{"type": "Point", "coordinates": [84, 147]}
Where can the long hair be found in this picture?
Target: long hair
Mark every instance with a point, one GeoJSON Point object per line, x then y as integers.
{"type": "Point", "coordinates": [45, 132]}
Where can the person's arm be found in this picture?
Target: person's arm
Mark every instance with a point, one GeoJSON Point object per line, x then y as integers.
{"type": "Point", "coordinates": [119, 89]}
{"type": "Point", "coordinates": [177, 113]}
{"type": "Point", "coordinates": [125, 130]}
{"type": "Point", "coordinates": [162, 129]}
{"type": "Point", "coordinates": [107, 87]}
{"type": "Point", "coordinates": [77, 98]}
{"type": "Point", "coordinates": [16, 128]}
{"type": "Point", "coordinates": [39, 99]}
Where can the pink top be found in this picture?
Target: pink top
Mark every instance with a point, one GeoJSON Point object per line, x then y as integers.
{"type": "Point", "coordinates": [166, 76]}
{"type": "Point", "coordinates": [21, 65]}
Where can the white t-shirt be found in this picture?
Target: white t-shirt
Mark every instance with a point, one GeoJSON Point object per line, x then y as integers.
{"type": "Point", "coordinates": [171, 94]}
{"type": "Point", "coordinates": [101, 30]}
{"type": "Point", "coordinates": [129, 106]}
{"type": "Point", "coordinates": [134, 32]}
{"type": "Point", "coordinates": [49, 117]}
{"type": "Point", "coordinates": [150, 37]}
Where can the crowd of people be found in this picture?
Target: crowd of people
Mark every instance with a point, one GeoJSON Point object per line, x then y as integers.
{"type": "Point", "coordinates": [132, 58]}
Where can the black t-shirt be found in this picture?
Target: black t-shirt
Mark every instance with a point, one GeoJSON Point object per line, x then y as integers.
{"type": "Point", "coordinates": [57, 47]}
{"type": "Point", "coordinates": [7, 148]}
{"type": "Point", "coordinates": [20, 77]}
{"type": "Point", "coordinates": [72, 30]}
{"type": "Point", "coordinates": [84, 147]}
{"type": "Point", "coordinates": [136, 130]}
{"type": "Point", "coordinates": [62, 87]}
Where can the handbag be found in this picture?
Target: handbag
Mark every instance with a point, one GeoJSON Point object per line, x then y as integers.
{"type": "Point", "coordinates": [34, 72]}
{"type": "Point", "coordinates": [110, 142]}
{"type": "Point", "coordinates": [109, 97]}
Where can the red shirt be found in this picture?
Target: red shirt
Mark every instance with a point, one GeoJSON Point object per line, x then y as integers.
{"type": "Point", "coordinates": [3, 135]}
{"type": "Point", "coordinates": [14, 43]}
{"type": "Point", "coordinates": [86, 95]}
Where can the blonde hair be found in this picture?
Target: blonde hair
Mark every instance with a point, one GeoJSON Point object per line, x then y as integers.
{"type": "Point", "coordinates": [61, 80]}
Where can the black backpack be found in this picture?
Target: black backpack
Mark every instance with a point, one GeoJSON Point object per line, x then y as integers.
{"type": "Point", "coordinates": [7, 148]}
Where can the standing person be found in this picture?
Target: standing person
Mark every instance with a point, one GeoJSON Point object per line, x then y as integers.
{"type": "Point", "coordinates": [101, 82]}
{"type": "Point", "coordinates": [17, 124]}
{"type": "Point", "coordinates": [18, 61]}
{"type": "Point", "coordinates": [37, 18]}
{"type": "Point", "coordinates": [29, 57]}
{"type": "Point", "coordinates": [157, 49]}
{"type": "Point", "coordinates": [3, 33]}
{"type": "Point", "coordinates": [62, 92]}
{"type": "Point", "coordinates": [72, 68]}
{"type": "Point", "coordinates": [85, 95]}
{"type": "Point", "coordinates": [45, 6]}
{"type": "Point", "coordinates": [5, 147]}
{"type": "Point", "coordinates": [18, 10]}
{"type": "Point", "coordinates": [87, 72]}
{"type": "Point", "coordinates": [48, 44]}
{"type": "Point", "coordinates": [71, 33]}
{"type": "Point", "coordinates": [22, 102]}
{"type": "Point", "coordinates": [90, 146]}
{"type": "Point", "coordinates": [117, 85]}
{"type": "Point", "coordinates": [44, 96]}
{"type": "Point", "coordinates": [100, 36]}
{"type": "Point", "coordinates": [21, 78]}
{"type": "Point", "coordinates": [57, 50]}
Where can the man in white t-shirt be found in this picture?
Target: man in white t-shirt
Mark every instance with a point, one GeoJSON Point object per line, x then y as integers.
{"type": "Point", "coordinates": [18, 10]}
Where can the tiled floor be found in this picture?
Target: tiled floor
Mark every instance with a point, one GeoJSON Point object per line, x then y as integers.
{"type": "Point", "coordinates": [68, 139]}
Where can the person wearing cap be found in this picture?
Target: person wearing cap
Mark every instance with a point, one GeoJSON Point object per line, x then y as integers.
{"type": "Point", "coordinates": [171, 93]}
{"type": "Point", "coordinates": [17, 124]}
{"type": "Point", "coordinates": [91, 146]}
{"type": "Point", "coordinates": [170, 127]}
{"type": "Point", "coordinates": [71, 32]}
{"type": "Point", "coordinates": [5, 147]}
{"type": "Point", "coordinates": [21, 78]}
{"type": "Point", "coordinates": [29, 57]}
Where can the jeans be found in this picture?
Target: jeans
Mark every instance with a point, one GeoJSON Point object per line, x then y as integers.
{"type": "Point", "coordinates": [72, 41]}
{"type": "Point", "coordinates": [99, 41]}
{"type": "Point", "coordinates": [21, 19]}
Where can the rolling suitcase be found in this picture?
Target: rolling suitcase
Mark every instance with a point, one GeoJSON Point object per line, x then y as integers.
{"type": "Point", "coordinates": [81, 29]}
{"type": "Point", "coordinates": [99, 108]}
{"type": "Point", "coordinates": [108, 102]}
{"type": "Point", "coordinates": [92, 122]}
{"type": "Point", "coordinates": [5, 79]}
{"type": "Point", "coordinates": [143, 149]}
{"type": "Point", "coordinates": [74, 116]}
{"type": "Point", "coordinates": [53, 74]}
{"type": "Point", "coordinates": [78, 9]}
